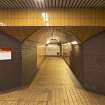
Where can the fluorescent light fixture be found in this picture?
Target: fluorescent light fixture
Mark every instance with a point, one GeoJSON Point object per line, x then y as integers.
{"type": "Point", "coordinates": [68, 43]}
{"type": "Point", "coordinates": [45, 16]}
{"type": "Point", "coordinates": [74, 42]}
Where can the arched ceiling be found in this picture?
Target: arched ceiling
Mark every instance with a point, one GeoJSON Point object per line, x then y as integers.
{"type": "Point", "coordinates": [20, 33]}
{"type": "Point", "coordinates": [82, 33]}
{"type": "Point", "coordinates": [40, 34]}
{"type": "Point", "coordinates": [52, 4]}
{"type": "Point", "coordinates": [46, 33]}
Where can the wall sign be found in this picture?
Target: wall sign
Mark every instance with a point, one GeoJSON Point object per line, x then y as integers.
{"type": "Point", "coordinates": [5, 53]}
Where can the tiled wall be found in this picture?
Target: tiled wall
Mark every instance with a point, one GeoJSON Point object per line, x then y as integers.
{"type": "Point", "coordinates": [66, 52]}
{"type": "Point", "coordinates": [94, 63]}
{"type": "Point", "coordinates": [29, 62]}
{"type": "Point", "coordinates": [10, 70]}
{"type": "Point", "coordinates": [40, 54]}
{"type": "Point", "coordinates": [31, 57]}
{"type": "Point", "coordinates": [77, 62]}
{"type": "Point", "coordinates": [88, 63]}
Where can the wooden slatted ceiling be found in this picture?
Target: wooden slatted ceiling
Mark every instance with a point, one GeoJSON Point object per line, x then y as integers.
{"type": "Point", "coordinates": [52, 3]}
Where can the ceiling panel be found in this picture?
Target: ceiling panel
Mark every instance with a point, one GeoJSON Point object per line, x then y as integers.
{"type": "Point", "coordinates": [52, 4]}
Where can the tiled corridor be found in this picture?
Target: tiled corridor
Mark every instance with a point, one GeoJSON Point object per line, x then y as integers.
{"type": "Point", "coordinates": [53, 85]}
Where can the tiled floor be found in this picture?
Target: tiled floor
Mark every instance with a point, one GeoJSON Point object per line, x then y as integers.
{"type": "Point", "coordinates": [53, 85]}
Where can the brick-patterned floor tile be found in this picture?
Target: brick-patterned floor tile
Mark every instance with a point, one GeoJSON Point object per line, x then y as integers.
{"type": "Point", "coordinates": [53, 85]}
